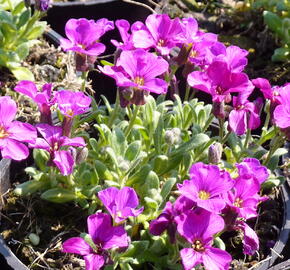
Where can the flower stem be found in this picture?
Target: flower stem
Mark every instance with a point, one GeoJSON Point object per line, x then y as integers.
{"type": "Point", "coordinates": [247, 139]}
{"type": "Point", "coordinates": [277, 142]}
{"type": "Point", "coordinates": [115, 111]}
{"type": "Point", "coordinates": [187, 90]}
{"type": "Point", "coordinates": [84, 78]}
{"type": "Point", "coordinates": [208, 122]}
{"type": "Point", "coordinates": [132, 120]}
{"type": "Point", "coordinates": [221, 129]}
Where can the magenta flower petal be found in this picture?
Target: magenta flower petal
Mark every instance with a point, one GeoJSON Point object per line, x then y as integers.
{"type": "Point", "coordinates": [120, 203]}
{"type": "Point", "coordinates": [22, 132]}
{"type": "Point", "coordinates": [14, 150]}
{"type": "Point", "coordinates": [216, 259]}
{"type": "Point", "coordinates": [101, 230]}
{"type": "Point", "coordinates": [40, 144]}
{"type": "Point", "coordinates": [76, 245]}
{"type": "Point", "coordinates": [49, 133]}
{"type": "Point", "coordinates": [72, 103]}
{"type": "Point", "coordinates": [250, 241]}
{"type": "Point", "coordinates": [94, 261]}
{"type": "Point", "coordinates": [157, 86]}
{"type": "Point", "coordinates": [8, 110]}
{"type": "Point", "coordinates": [64, 161]}
{"type": "Point", "coordinates": [190, 258]}
{"type": "Point", "coordinates": [27, 88]}
{"type": "Point", "coordinates": [77, 141]}
{"type": "Point", "coordinates": [238, 121]}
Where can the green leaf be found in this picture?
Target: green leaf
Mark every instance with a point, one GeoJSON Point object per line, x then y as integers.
{"type": "Point", "coordinates": [41, 157]}
{"type": "Point", "coordinates": [36, 31]}
{"type": "Point", "coordinates": [273, 21]}
{"type": "Point", "coordinates": [22, 50]}
{"type": "Point", "coordinates": [59, 195]}
{"type": "Point", "coordinates": [136, 248]}
{"type": "Point", "coordinates": [167, 187]}
{"type": "Point", "coordinates": [30, 187]}
{"type": "Point", "coordinates": [22, 73]}
{"type": "Point", "coordinates": [118, 141]}
{"type": "Point", "coordinates": [281, 55]}
{"type": "Point", "coordinates": [23, 18]}
{"type": "Point", "coordinates": [133, 150]}
{"type": "Point", "coordinates": [219, 243]}
{"type": "Point", "coordinates": [9, 31]}
{"type": "Point", "coordinates": [152, 204]}
{"type": "Point", "coordinates": [160, 163]}
{"type": "Point", "coordinates": [5, 16]}
{"type": "Point", "coordinates": [106, 63]}
{"type": "Point", "coordinates": [18, 8]}
{"type": "Point", "coordinates": [102, 171]}
{"type": "Point", "coordinates": [139, 176]}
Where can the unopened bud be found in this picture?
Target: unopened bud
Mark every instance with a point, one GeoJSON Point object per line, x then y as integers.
{"type": "Point", "coordinates": [82, 155]}
{"type": "Point", "coordinates": [218, 110]}
{"type": "Point", "coordinates": [42, 5]}
{"type": "Point", "coordinates": [215, 153]}
{"type": "Point", "coordinates": [34, 239]}
{"type": "Point", "coordinates": [172, 136]}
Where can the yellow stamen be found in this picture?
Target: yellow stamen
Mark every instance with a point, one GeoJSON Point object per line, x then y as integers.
{"type": "Point", "coordinates": [203, 195]}
{"type": "Point", "coordinates": [3, 133]}
{"type": "Point", "coordinates": [139, 80]}
{"type": "Point", "coordinates": [198, 246]}
{"type": "Point", "coordinates": [238, 202]}
{"type": "Point", "coordinates": [70, 112]}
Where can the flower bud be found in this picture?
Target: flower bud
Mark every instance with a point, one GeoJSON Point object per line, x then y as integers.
{"type": "Point", "coordinates": [42, 5]}
{"type": "Point", "coordinates": [34, 239]}
{"type": "Point", "coordinates": [215, 153]}
{"type": "Point", "coordinates": [82, 155]}
{"type": "Point", "coordinates": [172, 136]}
{"type": "Point", "coordinates": [218, 110]}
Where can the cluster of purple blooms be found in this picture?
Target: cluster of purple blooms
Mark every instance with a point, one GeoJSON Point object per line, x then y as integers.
{"type": "Point", "coordinates": [144, 64]}
{"type": "Point", "coordinates": [210, 203]}
{"type": "Point", "coordinates": [121, 204]}
{"type": "Point", "coordinates": [54, 139]}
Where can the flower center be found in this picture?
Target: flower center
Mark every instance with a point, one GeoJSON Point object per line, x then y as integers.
{"type": "Point", "coordinates": [219, 90]}
{"type": "Point", "coordinates": [70, 112]}
{"type": "Point", "coordinates": [238, 202]}
{"type": "Point", "coordinates": [139, 80]}
{"type": "Point", "coordinates": [203, 195]}
{"type": "Point", "coordinates": [275, 93]}
{"type": "Point", "coordinates": [161, 42]}
{"type": "Point", "coordinates": [198, 246]}
{"type": "Point", "coordinates": [55, 146]}
{"type": "Point", "coordinates": [193, 53]}
{"type": "Point", "coordinates": [3, 133]}
{"type": "Point", "coordinates": [240, 107]}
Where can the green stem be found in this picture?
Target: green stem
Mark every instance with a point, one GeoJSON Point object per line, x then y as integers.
{"type": "Point", "coordinates": [248, 136]}
{"type": "Point", "coordinates": [132, 120]}
{"type": "Point", "coordinates": [279, 140]}
{"type": "Point", "coordinates": [193, 91]}
{"type": "Point", "coordinates": [221, 129]}
{"type": "Point", "coordinates": [115, 111]}
{"type": "Point", "coordinates": [208, 122]}
{"type": "Point", "coordinates": [84, 78]}
{"type": "Point", "coordinates": [186, 97]}
{"type": "Point", "coordinates": [225, 138]}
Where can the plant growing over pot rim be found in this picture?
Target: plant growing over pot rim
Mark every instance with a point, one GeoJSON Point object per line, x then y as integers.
{"type": "Point", "coordinates": [194, 185]}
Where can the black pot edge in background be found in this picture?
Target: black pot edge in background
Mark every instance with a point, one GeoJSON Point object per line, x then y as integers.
{"type": "Point", "coordinates": [80, 3]}
{"type": "Point", "coordinates": [8, 260]}
{"type": "Point", "coordinates": [284, 232]}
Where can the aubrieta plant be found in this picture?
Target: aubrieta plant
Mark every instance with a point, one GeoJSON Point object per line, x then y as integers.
{"type": "Point", "coordinates": [19, 30]}
{"type": "Point", "coordinates": [163, 181]}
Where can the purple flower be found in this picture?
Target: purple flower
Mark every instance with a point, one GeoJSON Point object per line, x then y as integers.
{"type": "Point", "coordinates": [198, 228]}
{"type": "Point", "coordinates": [282, 111]}
{"type": "Point", "coordinates": [244, 198]}
{"type": "Point", "coordinates": [42, 5]}
{"type": "Point", "coordinates": [251, 168]}
{"type": "Point", "coordinates": [72, 103]}
{"type": "Point", "coordinates": [52, 142]}
{"type": "Point", "coordinates": [44, 98]}
{"type": "Point", "coordinates": [234, 56]}
{"type": "Point", "coordinates": [124, 27]}
{"type": "Point", "coordinates": [104, 237]}
{"type": "Point", "coordinates": [245, 115]}
{"type": "Point", "coordinates": [206, 186]}
{"type": "Point", "coordinates": [120, 204]}
{"type": "Point", "coordinates": [13, 133]}
{"type": "Point", "coordinates": [166, 220]}
{"type": "Point", "coordinates": [163, 34]}
{"type": "Point", "coordinates": [250, 238]}
{"type": "Point", "coordinates": [219, 81]}
{"type": "Point", "coordinates": [135, 72]}
{"type": "Point", "coordinates": [83, 35]}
